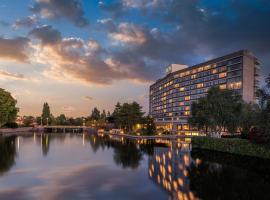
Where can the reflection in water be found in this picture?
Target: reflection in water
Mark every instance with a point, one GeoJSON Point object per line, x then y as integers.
{"type": "Point", "coordinates": [168, 167]}
{"type": "Point", "coordinates": [101, 170]}
{"type": "Point", "coordinates": [7, 153]}
{"type": "Point", "coordinates": [224, 176]}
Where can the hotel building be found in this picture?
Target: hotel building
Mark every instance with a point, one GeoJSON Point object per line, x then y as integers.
{"type": "Point", "coordinates": [171, 97]}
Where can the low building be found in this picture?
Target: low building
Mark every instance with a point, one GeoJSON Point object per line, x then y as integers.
{"type": "Point", "coordinates": [171, 96]}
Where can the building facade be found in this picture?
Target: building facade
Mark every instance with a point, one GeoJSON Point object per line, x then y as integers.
{"type": "Point", "coordinates": [171, 97]}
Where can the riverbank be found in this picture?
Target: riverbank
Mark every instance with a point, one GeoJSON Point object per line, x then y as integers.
{"type": "Point", "coordinates": [16, 131]}
{"type": "Point", "coordinates": [232, 145]}
{"type": "Point", "coordinates": [150, 137]}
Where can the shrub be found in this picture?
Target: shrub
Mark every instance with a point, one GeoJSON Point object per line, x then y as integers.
{"type": "Point", "coordinates": [11, 125]}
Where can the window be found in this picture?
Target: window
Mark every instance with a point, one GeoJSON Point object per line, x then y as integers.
{"type": "Point", "coordinates": [207, 67]}
{"type": "Point", "coordinates": [200, 69]}
{"type": "Point", "coordinates": [223, 87]}
{"type": "Point", "coordinates": [222, 75]}
{"type": "Point", "coordinates": [181, 103]}
{"type": "Point", "coordinates": [200, 85]}
{"type": "Point", "coordinates": [214, 71]}
{"type": "Point", "coordinates": [187, 98]}
{"type": "Point", "coordinates": [186, 113]}
{"type": "Point", "coordinates": [194, 71]}
{"type": "Point", "coordinates": [235, 85]}
{"type": "Point", "coordinates": [235, 67]}
{"type": "Point", "coordinates": [182, 89]}
{"type": "Point", "coordinates": [194, 76]}
{"type": "Point", "coordinates": [187, 108]}
{"type": "Point", "coordinates": [185, 127]}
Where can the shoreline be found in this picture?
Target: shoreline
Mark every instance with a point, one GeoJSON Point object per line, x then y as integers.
{"type": "Point", "coordinates": [150, 137]}
{"type": "Point", "coordinates": [6, 132]}
{"type": "Point", "coordinates": [234, 146]}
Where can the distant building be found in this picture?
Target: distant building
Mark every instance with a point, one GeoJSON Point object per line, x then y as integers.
{"type": "Point", "coordinates": [171, 97]}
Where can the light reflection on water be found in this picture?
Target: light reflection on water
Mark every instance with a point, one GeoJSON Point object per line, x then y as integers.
{"type": "Point", "coordinates": [84, 166]}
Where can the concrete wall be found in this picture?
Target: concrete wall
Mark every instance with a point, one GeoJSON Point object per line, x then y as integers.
{"type": "Point", "coordinates": [248, 78]}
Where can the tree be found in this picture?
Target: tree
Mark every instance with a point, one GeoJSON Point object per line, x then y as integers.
{"type": "Point", "coordinates": [116, 114]}
{"type": "Point", "coordinates": [263, 93]}
{"type": "Point", "coordinates": [46, 114]}
{"type": "Point", "coordinates": [95, 115]}
{"type": "Point", "coordinates": [8, 153]}
{"type": "Point", "coordinates": [149, 126]}
{"type": "Point", "coordinates": [103, 115]}
{"type": "Point", "coordinates": [8, 109]}
{"type": "Point", "coordinates": [127, 115]}
{"type": "Point", "coordinates": [220, 110]}
{"type": "Point", "coordinates": [28, 120]}
{"type": "Point", "coordinates": [61, 120]}
{"type": "Point", "coordinates": [249, 118]}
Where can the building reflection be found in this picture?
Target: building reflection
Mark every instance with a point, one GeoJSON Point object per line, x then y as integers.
{"type": "Point", "coordinates": [168, 167]}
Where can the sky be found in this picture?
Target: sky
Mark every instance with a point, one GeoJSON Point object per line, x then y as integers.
{"type": "Point", "coordinates": [81, 54]}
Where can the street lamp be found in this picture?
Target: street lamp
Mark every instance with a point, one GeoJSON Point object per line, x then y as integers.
{"type": "Point", "coordinates": [83, 121]}
{"type": "Point", "coordinates": [47, 121]}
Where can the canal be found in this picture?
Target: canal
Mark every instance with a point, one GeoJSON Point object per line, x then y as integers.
{"type": "Point", "coordinates": [91, 166]}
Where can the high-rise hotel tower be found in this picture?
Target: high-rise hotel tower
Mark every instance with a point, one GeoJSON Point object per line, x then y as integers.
{"type": "Point", "coordinates": [171, 96]}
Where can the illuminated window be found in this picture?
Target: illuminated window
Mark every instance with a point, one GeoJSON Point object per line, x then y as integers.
{"type": "Point", "coordinates": [194, 71]}
{"type": "Point", "coordinates": [176, 85]}
{"type": "Point", "coordinates": [214, 71]}
{"type": "Point", "coordinates": [187, 73]}
{"type": "Point", "coordinates": [200, 85]}
{"type": "Point", "coordinates": [222, 75]}
{"type": "Point", "coordinates": [187, 108]}
{"type": "Point", "coordinates": [223, 87]}
{"type": "Point", "coordinates": [182, 89]}
{"type": "Point", "coordinates": [200, 69]}
{"type": "Point", "coordinates": [235, 86]}
{"type": "Point", "coordinates": [207, 67]}
{"type": "Point", "coordinates": [181, 103]}
{"type": "Point", "coordinates": [193, 76]}
{"type": "Point", "coordinates": [185, 127]}
{"type": "Point", "coordinates": [187, 98]}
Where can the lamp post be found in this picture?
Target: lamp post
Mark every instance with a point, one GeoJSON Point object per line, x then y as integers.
{"type": "Point", "coordinates": [47, 121]}
{"type": "Point", "coordinates": [83, 121]}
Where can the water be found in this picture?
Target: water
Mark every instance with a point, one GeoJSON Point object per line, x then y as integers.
{"type": "Point", "coordinates": [82, 166]}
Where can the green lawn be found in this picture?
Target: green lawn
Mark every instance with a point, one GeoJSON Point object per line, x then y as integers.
{"type": "Point", "coordinates": [232, 145]}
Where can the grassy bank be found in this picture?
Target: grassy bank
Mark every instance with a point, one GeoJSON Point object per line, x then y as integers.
{"type": "Point", "coordinates": [230, 145]}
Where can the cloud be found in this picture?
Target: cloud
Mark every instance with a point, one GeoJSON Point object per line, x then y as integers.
{"type": "Point", "coordinates": [74, 59]}
{"type": "Point", "coordinates": [14, 49]}
{"type": "Point", "coordinates": [6, 74]}
{"type": "Point", "coordinates": [141, 3]}
{"type": "Point", "coordinates": [55, 9]}
{"type": "Point", "coordinates": [46, 34]}
{"type": "Point", "coordinates": [88, 98]}
{"type": "Point", "coordinates": [26, 22]}
{"type": "Point", "coordinates": [196, 30]}
{"type": "Point", "coordinates": [128, 33]}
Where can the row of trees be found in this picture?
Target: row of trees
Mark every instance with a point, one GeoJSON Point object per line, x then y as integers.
{"type": "Point", "coordinates": [224, 110]}
{"type": "Point", "coordinates": [127, 116]}
{"type": "Point", "coordinates": [8, 109]}
{"type": "Point", "coordinates": [130, 118]}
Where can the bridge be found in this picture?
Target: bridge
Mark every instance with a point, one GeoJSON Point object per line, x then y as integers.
{"type": "Point", "coordinates": [65, 129]}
